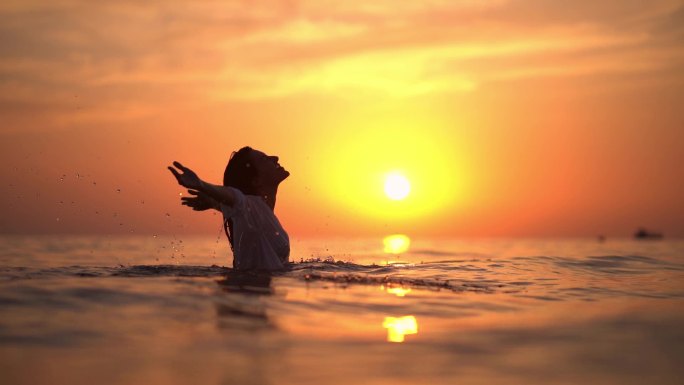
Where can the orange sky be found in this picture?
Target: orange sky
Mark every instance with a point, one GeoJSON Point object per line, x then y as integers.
{"type": "Point", "coordinates": [509, 117]}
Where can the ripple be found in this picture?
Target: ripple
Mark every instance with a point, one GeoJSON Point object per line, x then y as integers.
{"type": "Point", "coordinates": [533, 277]}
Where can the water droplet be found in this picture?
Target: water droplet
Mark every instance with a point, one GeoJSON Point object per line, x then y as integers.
{"type": "Point", "coordinates": [154, 235]}
{"type": "Point", "coordinates": [57, 219]}
{"type": "Point", "coordinates": [118, 190]}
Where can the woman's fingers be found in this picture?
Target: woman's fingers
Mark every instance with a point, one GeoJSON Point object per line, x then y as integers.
{"type": "Point", "coordinates": [174, 172]}
{"type": "Point", "coordinates": [180, 166]}
{"type": "Point", "coordinates": [193, 192]}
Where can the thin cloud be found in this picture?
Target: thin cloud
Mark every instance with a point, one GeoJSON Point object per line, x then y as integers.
{"type": "Point", "coordinates": [248, 50]}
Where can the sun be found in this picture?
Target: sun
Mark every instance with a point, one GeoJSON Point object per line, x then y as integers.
{"type": "Point", "coordinates": [397, 186]}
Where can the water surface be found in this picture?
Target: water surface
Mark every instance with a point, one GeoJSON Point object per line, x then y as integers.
{"type": "Point", "coordinates": [111, 310]}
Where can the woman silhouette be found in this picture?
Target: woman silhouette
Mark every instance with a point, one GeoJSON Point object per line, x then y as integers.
{"type": "Point", "coordinates": [246, 199]}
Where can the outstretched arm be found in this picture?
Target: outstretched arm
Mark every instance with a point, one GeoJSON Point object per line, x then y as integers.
{"type": "Point", "coordinates": [190, 180]}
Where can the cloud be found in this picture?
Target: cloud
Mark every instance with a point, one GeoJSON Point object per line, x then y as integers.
{"type": "Point", "coordinates": [204, 50]}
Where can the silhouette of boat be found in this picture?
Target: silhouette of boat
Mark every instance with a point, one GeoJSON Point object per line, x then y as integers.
{"type": "Point", "coordinates": [645, 234]}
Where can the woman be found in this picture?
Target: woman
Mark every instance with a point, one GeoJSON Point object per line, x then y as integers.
{"type": "Point", "coordinates": [246, 199]}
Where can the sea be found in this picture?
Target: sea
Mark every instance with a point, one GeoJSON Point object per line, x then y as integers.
{"type": "Point", "coordinates": [387, 310]}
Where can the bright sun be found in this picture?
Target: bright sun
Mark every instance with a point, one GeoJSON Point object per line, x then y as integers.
{"type": "Point", "coordinates": [397, 187]}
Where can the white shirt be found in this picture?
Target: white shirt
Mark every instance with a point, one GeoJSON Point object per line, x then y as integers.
{"type": "Point", "coordinates": [259, 240]}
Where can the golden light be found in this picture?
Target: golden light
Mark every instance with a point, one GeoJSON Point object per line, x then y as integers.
{"type": "Point", "coordinates": [398, 327]}
{"type": "Point", "coordinates": [420, 166]}
{"type": "Point", "coordinates": [398, 291]}
{"type": "Point", "coordinates": [397, 187]}
{"type": "Point", "coordinates": [396, 244]}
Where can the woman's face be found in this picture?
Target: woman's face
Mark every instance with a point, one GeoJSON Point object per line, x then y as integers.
{"type": "Point", "coordinates": [268, 170]}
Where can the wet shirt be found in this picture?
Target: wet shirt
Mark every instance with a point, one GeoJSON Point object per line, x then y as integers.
{"type": "Point", "coordinates": [259, 240]}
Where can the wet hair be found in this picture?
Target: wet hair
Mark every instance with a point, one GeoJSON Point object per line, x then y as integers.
{"type": "Point", "coordinates": [239, 174]}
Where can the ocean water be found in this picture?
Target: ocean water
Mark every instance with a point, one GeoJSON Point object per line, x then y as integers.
{"type": "Point", "coordinates": [166, 310]}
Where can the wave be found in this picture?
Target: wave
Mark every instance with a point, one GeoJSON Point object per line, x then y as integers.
{"type": "Point", "coordinates": [519, 275]}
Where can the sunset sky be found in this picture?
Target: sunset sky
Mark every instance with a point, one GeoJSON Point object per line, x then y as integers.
{"type": "Point", "coordinates": [507, 117]}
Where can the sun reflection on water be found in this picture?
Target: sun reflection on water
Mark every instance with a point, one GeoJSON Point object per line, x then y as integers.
{"type": "Point", "coordinates": [398, 327]}
{"type": "Point", "coordinates": [396, 290]}
{"type": "Point", "coordinates": [396, 244]}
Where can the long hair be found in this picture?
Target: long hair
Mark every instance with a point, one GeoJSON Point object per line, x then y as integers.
{"type": "Point", "coordinates": [239, 174]}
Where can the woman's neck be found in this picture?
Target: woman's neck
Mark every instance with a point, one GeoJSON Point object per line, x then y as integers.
{"type": "Point", "coordinates": [270, 197]}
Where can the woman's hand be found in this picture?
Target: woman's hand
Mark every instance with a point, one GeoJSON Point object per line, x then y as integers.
{"type": "Point", "coordinates": [200, 201]}
{"type": "Point", "coordinates": [203, 190]}
{"type": "Point", "coordinates": [188, 178]}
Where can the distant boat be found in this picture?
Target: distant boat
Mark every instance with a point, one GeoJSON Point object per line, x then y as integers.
{"type": "Point", "coordinates": [644, 234]}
